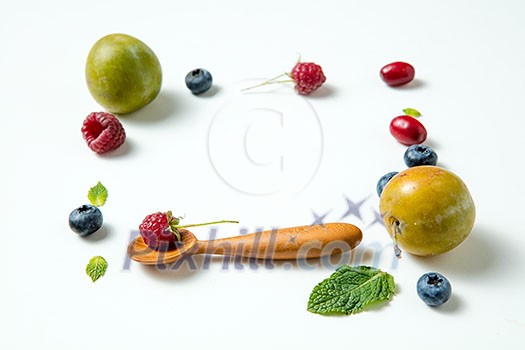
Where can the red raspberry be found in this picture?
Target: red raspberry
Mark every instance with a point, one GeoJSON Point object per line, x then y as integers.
{"type": "Point", "coordinates": [308, 77]}
{"type": "Point", "coordinates": [103, 132]}
{"type": "Point", "coordinates": [160, 231]}
{"type": "Point", "coordinates": [156, 231]}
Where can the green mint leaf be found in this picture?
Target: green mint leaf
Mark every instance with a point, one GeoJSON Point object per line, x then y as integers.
{"type": "Point", "coordinates": [349, 289]}
{"type": "Point", "coordinates": [98, 194]}
{"type": "Point", "coordinates": [412, 112]}
{"type": "Point", "coordinates": [96, 267]}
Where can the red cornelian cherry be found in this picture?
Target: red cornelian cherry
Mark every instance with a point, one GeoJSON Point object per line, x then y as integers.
{"type": "Point", "coordinates": [408, 130]}
{"type": "Point", "coordinates": [397, 73]}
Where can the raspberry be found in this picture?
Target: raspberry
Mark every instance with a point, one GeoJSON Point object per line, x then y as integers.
{"type": "Point", "coordinates": [156, 231]}
{"type": "Point", "coordinates": [103, 132]}
{"type": "Point", "coordinates": [160, 231]}
{"type": "Point", "coordinates": [308, 77]}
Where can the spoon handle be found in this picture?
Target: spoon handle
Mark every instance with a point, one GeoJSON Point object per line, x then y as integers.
{"type": "Point", "coordinates": [287, 243]}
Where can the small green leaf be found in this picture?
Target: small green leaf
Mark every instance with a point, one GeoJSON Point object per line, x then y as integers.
{"type": "Point", "coordinates": [173, 222]}
{"type": "Point", "coordinates": [350, 289]}
{"type": "Point", "coordinates": [175, 231]}
{"type": "Point", "coordinates": [96, 267]}
{"type": "Point", "coordinates": [412, 112]}
{"type": "Point", "coordinates": [97, 195]}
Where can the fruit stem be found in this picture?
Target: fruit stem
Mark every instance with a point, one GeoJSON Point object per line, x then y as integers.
{"type": "Point", "coordinates": [208, 223]}
{"type": "Point", "coordinates": [271, 81]}
{"type": "Point", "coordinates": [397, 231]}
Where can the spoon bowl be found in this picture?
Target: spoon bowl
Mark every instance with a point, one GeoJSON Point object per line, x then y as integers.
{"type": "Point", "coordinates": [139, 251]}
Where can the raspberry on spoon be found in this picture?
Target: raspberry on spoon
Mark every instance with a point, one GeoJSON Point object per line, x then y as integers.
{"type": "Point", "coordinates": [161, 230]}
{"type": "Point", "coordinates": [307, 77]}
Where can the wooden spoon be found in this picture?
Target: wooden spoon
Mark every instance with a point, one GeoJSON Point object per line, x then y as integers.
{"type": "Point", "coordinates": [281, 244]}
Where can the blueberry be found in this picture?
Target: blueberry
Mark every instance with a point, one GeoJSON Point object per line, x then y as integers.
{"type": "Point", "coordinates": [199, 80]}
{"type": "Point", "coordinates": [85, 220]}
{"type": "Point", "coordinates": [416, 155]}
{"type": "Point", "coordinates": [433, 288]}
{"type": "Point", "coordinates": [383, 181]}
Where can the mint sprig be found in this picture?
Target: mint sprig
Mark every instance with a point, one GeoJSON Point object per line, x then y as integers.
{"type": "Point", "coordinates": [96, 267]}
{"type": "Point", "coordinates": [412, 112]}
{"type": "Point", "coordinates": [98, 194]}
{"type": "Point", "coordinates": [349, 289]}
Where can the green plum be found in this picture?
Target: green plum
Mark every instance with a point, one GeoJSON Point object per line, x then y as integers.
{"type": "Point", "coordinates": [122, 73]}
{"type": "Point", "coordinates": [427, 210]}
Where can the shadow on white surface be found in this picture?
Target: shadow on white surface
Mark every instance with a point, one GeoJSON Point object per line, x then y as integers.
{"type": "Point", "coordinates": [443, 165]}
{"type": "Point", "coordinates": [481, 254]}
{"type": "Point", "coordinates": [326, 90]}
{"type": "Point", "coordinates": [169, 273]}
{"type": "Point", "coordinates": [452, 306]}
{"type": "Point", "coordinates": [214, 90]}
{"type": "Point", "coordinates": [187, 267]}
{"type": "Point", "coordinates": [126, 148]}
{"type": "Point", "coordinates": [431, 142]}
{"type": "Point", "coordinates": [167, 103]}
{"type": "Point", "coordinates": [100, 235]}
{"type": "Point", "coordinates": [414, 84]}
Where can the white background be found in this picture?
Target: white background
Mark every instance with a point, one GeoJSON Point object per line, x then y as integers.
{"type": "Point", "coordinates": [469, 58]}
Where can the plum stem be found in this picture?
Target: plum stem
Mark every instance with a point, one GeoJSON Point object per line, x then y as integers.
{"type": "Point", "coordinates": [397, 231]}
